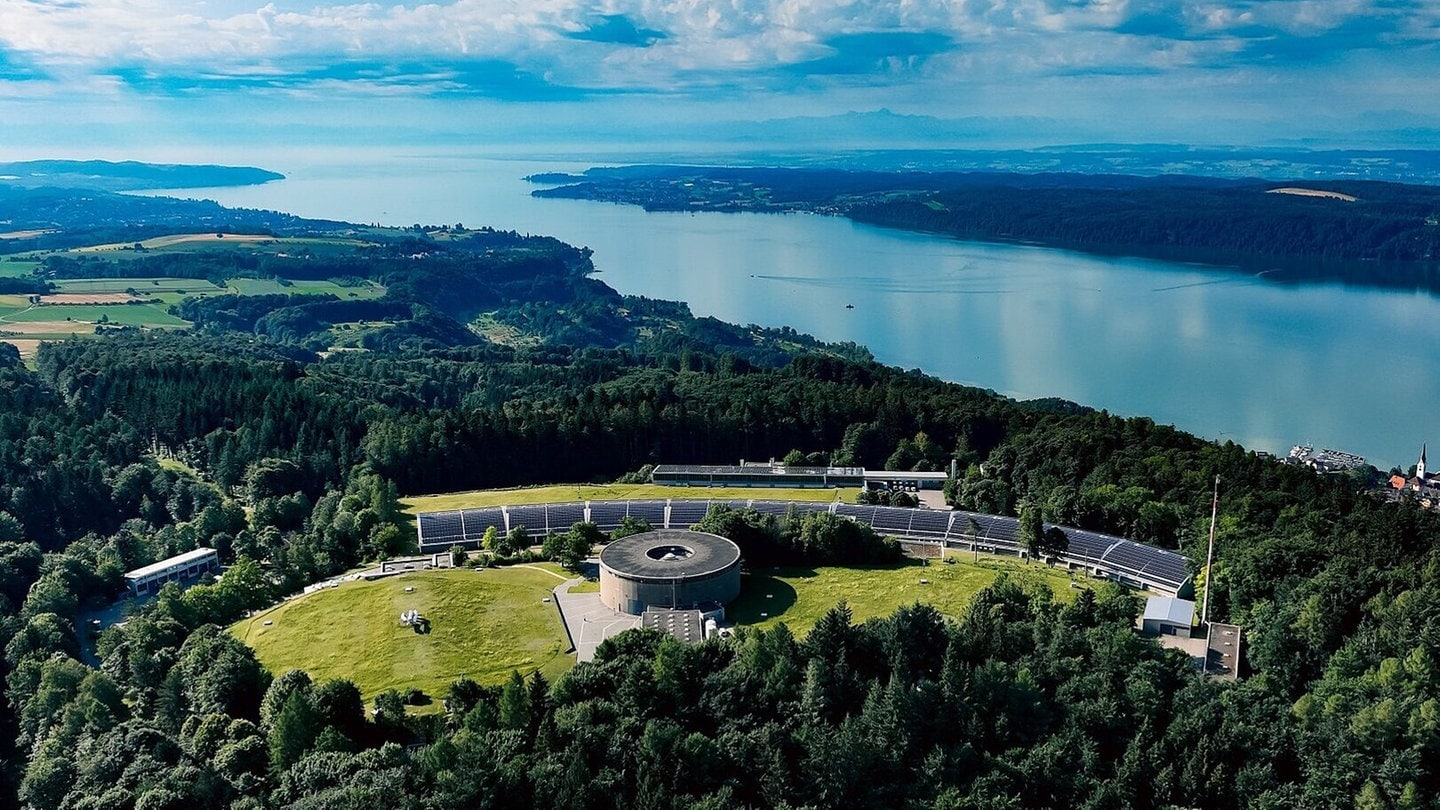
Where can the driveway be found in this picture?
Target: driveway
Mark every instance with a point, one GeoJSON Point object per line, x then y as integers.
{"type": "Point", "coordinates": [587, 621]}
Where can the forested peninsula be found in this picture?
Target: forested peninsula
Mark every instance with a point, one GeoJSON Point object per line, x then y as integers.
{"type": "Point", "coordinates": [312, 373]}
{"type": "Point", "coordinates": [1361, 232]}
{"type": "Point", "coordinates": [104, 175]}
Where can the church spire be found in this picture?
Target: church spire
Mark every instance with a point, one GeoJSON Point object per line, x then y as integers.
{"type": "Point", "coordinates": [1420, 468]}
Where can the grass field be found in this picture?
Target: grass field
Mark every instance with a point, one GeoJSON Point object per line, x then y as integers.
{"type": "Point", "coordinates": [800, 596]}
{"type": "Point", "coordinates": [484, 624]}
{"type": "Point", "coordinates": [564, 493]}
{"type": "Point", "coordinates": [186, 239]}
{"type": "Point", "coordinates": [126, 314]}
{"type": "Point", "coordinates": [16, 268]}
{"type": "Point", "coordinates": [144, 287]}
{"type": "Point", "coordinates": [270, 286]}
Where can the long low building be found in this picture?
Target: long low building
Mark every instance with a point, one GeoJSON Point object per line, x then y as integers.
{"type": "Point", "coordinates": [1134, 564]}
{"type": "Point", "coordinates": [778, 475]}
{"type": "Point", "coordinates": [756, 475]}
{"type": "Point", "coordinates": [151, 578]}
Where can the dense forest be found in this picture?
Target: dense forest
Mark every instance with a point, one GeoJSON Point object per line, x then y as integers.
{"type": "Point", "coordinates": [240, 435]}
{"type": "Point", "coordinates": [1386, 234]}
{"type": "Point", "coordinates": [128, 175]}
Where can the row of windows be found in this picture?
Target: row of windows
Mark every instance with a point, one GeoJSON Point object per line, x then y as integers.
{"type": "Point", "coordinates": [154, 582]}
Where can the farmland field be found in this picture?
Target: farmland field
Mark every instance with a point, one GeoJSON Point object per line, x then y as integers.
{"type": "Point", "coordinates": [206, 239]}
{"type": "Point", "coordinates": [122, 314]}
{"type": "Point", "coordinates": [16, 268]}
{"type": "Point", "coordinates": [270, 286]}
{"type": "Point", "coordinates": [142, 286]}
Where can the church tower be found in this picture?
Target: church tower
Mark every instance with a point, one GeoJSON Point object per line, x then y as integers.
{"type": "Point", "coordinates": [1420, 467]}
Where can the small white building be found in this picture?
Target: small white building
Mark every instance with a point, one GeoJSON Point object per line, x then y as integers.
{"type": "Point", "coordinates": [1168, 616]}
{"type": "Point", "coordinates": [151, 578]}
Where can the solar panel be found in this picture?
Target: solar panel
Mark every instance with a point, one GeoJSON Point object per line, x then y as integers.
{"type": "Point", "coordinates": [684, 514]}
{"type": "Point", "coordinates": [607, 514]}
{"type": "Point", "coordinates": [892, 519]}
{"type": "Point", "coordinates": [652, 512]}
{"type": "Point", "coordinates": [531, 517]}
{"type": "Point", "coordinates": [439, 527]}
{"type": "Point", "coordinates": [561, 516]}
{"type": "Point", "coordinates": [864, 514]}
{"type": "Point", "coordinates": [478, 520]}
{"type": "Point", "coordinates": [930, 521]}
{"type": "Point", "coordinates": [1132, 561]}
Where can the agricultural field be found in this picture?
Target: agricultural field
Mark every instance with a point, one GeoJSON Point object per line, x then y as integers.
{"type": "Point", "coordinates": [800, 596]}
{"type": "Point", "coordinates": [25, 325]}
{"type": "Point", "coordinates": [85, 316]}
{"type": "Point", "coordinates": [270, 286]}
{"type": "Point", "coordinates": [186, 240]}
{"type": "Point", "coordinates": [143, 287]}
{"type": "Point", "coordinates": [483, 624]}
{"type": "Point", "coordinates": [14, 267]}
{"type": "Point", "coordinates": [563, 493]}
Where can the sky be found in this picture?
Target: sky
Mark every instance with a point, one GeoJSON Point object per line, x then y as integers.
{"type": "Point", "coordinates": [82, 77]}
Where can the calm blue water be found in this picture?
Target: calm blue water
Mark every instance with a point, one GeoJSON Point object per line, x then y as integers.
{"type": "Point", "coordinates": [1222, 355]}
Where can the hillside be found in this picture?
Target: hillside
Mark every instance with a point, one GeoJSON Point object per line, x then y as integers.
{"type": "Point", "coordinates": [1386, 234]}
{"type": "Point", "coordinates": [104, 175]}
{"type": "Point", "coordinates": [288, 455]}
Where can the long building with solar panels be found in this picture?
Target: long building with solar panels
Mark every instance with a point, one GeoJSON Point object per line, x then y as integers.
{"type": "Point", "coordinates": [1102, 555]}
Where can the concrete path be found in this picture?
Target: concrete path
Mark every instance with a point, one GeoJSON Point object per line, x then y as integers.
{"type": "Point", "coordinates": [587, 621]}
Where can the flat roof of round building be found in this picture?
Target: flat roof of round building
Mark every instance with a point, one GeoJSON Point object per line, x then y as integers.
{"type": "Point", "coordinates": [669, 553]}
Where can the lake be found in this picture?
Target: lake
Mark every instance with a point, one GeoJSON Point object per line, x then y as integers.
{"type": "Point", "coordinates": [1220, 354]}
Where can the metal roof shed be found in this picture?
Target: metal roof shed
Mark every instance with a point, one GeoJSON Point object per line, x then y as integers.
{"type": "Point", "coordinates": [1165, 615]}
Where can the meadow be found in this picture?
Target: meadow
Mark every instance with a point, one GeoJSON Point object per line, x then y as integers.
{"type": "Point", "coordinates": [484, 623]}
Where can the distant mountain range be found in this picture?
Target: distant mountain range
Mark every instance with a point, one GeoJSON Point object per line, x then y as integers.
{"type": "Point", "coordinates": [128, 175]}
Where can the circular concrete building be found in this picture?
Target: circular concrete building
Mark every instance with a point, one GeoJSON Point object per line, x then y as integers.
{"type": "Point", "coordinates": [668, 568]}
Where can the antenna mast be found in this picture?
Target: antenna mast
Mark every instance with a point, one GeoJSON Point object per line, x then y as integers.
{"type": "Point", "coordinates": [1210, 555]}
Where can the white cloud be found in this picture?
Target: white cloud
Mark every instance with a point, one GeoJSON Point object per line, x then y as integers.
{"type": "Point", "coordinates": [973, 57]}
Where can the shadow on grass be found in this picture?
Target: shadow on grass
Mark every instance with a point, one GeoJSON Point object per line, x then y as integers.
{"type": "Point", "coordinates": [763, 592]}
{"type": "Point", "coordinates": [764, 595]}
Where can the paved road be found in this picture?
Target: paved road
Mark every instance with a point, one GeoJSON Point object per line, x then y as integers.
{"type": "Point", "coordinates": [588, 621]}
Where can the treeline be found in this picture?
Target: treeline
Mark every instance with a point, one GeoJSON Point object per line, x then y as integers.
{"type": "Point", "coordinates": [1388, 235]}
{"type": "Point", "coordinates": [1242, 222]}
{"type": "Point", "coordinates": [71, 217]}
{"type": "Point", "coordinates": [794, 539]}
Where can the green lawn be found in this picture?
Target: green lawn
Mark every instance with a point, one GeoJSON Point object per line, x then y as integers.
{"type": "Point", "coordinates": [127, 314]}
{"type": "Point", "coordinates": [586, 585]}
{"type": "Point", "coordinates": [484, 623]}
{"type": "Point", "coordinates": [565, 493]}
{"type": "Point", "coordinates": [800, 596]}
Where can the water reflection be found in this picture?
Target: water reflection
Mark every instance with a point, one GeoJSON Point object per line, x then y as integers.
{"type": "Point", "coordinates": [1233, 356]}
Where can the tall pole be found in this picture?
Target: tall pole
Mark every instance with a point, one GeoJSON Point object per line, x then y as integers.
{"type": "Point", "coordinates": [1210, 555]}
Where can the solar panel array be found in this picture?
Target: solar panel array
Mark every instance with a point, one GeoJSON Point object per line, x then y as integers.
{"type": "Point", "coordinates": [1104, 554]}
